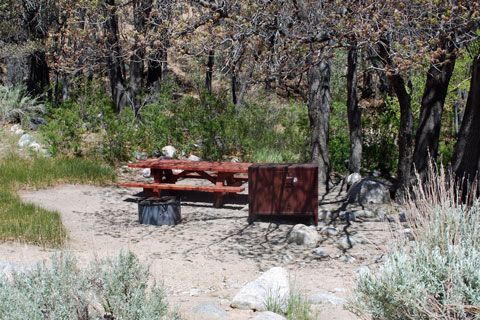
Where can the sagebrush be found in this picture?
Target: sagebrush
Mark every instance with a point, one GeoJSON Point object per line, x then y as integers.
{"type": "Point", "coordinates": [436, 275]}
{"type": "Point", "coordinates": [109, 289]}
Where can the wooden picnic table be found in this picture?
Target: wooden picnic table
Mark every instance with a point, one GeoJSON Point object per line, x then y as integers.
{"type": "Point", "coordinates": [225, 176]}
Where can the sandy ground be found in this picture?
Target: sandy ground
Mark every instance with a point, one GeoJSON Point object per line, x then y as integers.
{"type": "Point", "coordinates": [211, 254]}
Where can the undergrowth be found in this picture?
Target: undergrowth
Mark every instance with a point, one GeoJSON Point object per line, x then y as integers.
{"type": "Point", "coordinates": [27, 222]}
{"type": "Point", "coordinates": [118, 288]}
{"type": "Point", "coordinates": [435, 276]}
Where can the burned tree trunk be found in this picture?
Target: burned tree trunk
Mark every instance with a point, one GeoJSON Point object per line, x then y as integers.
{"type": "Point", "coordinates": [466, 156]}
{"type": "Point", "coordinates": [209, 75]}
{"type": "Point", "coordinates": [405, 135]}
{"type": "Point", "coordinates": [428, 131]}
{"type": "Point", "coordinates": [319, 110]}
{"type": "Point", "coordinates": [354, 113]}
{"type": "Point", "coordinates": [116, 73]}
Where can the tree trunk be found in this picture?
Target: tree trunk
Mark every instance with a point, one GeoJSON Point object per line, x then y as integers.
{"type": "Point", "coordinates": [428, 131]}
{"type": "Point", "coordinates": [209, 75]}
{"type": "Point", "coordinates": [116, 72]}
{"type": "Point", "coordinates": [319, 110]}
{"type": "Point", "coordinates": [233, 85]}
{"type": "Point", "coordinates": [38, 76]}
{"type": "Point", "coordinates": [466, 155]}
{"type": "Point", "coordinates": [405, 133]}
{"type": "Point", "coordinates": [354, 113]}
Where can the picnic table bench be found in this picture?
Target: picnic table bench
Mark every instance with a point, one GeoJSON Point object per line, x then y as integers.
{"type": "Point", "coordinates": [225, 176]}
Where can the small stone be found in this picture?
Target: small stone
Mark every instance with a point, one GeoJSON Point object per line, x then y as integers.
{"type": "Point", "coordinates": [376, 173]}
{"type": "Point", "coordinates": [322, 298]}
{"type": "Point", "coordinates": [139, 155]}
{"type": "Point", "coordinates": [348, 259]}
{"type": "Point", "coordinates": [363, 214]}
{"type": "Point", "coordinates": [287, 258]}
{"type": "Point", "coordinates": [194, 158]}
{"type": "Point", "coordinates": [234, 160]}
{"type": "Point", "coordinates": [146, 172]}
{"type": "Point", "coordinates": [346, 215]}
{"type": "Point", "coordinates": [329, 231]}
{"type": "Point", "coordinates": [35, 146]}
{"type": "Point", "coordinates": [169, 151]}
{"type": "Point", "coordinates": [25, 140]}
{"type": "Point", "coordinates": [324, 215]}
{"type": "Point", "coordinates": [15, 127]}
{"type": "Point", "coordinates": [303, 235]}
{"type": "Point", "coordinates": [321, 252]}
{"type": "Point", "coordinates": [349, 242]}
{"type": "Point", "coordinates": [19, 131]}
{"type": "Point", "coordinates": [209, 309]}
{"type": "Point", "coordinates": [408, 234]}
{"type": "Point", "coordinates": [269, 315]}
{"type": "Point", "coordinates": [124, 169]}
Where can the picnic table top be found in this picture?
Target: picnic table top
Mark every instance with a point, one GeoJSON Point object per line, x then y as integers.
{"type": "Point", "coordinates": [173, 164]}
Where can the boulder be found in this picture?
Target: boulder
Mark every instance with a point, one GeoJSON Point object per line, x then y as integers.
{"type": "Point", "coordinates": [363, 214]}
{"type": "Point", "coordinates": [169, 151]}
{"type": "Point", "coordinates": [269, 315]}
{"type": "Point", "coordinates": [304, 236]}
{"type": "Point", "coordinates": [272, 287]}
{"type": "Point", "coordinates": [321, 253]}
{"type": "Point", "coordinates": [25, 140]}
{"type": "Point", "coordinates": [209, 309]}
{"type": "Point", "coordinates": [368, 191]}
{"type": "Point", "coordinates": [35, 146]}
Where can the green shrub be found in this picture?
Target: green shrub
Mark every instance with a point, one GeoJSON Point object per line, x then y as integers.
{"type": "Point", "coordinates": [110, 289]}
{"type": "Point", "coordinates": [436, 275]}
{"type": "Point", "coordinates": [17, 106]}
{"type": "Point", "coordinates": [27, 222]}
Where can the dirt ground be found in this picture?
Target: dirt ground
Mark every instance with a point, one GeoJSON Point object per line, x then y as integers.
{"type": "Point", "coordinates": [212, 253]}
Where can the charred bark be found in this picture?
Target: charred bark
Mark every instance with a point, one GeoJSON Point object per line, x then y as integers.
{"type": "Point", "coordinates": [354, 113]}
{"type": "Point", "coordinates": [209, 75]}
{"type": "Point", "coordinates": [429, 125]}
{"type": "Point", "coordinates": [38, 76]}
{"type": "Point", "coordinates": [466, 156]}
{"type": "Point", "coordinates": [319, 110]}
{"type": "Point", "coordinates": [116, 73]}
{"type": "Point", "coordinates": [405, 135]}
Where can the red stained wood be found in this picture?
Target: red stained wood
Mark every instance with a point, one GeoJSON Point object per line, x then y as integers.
{"type": "Point", "coordinates": [172, 164]}
{"type": "Point", "coordinates": [173, 186]}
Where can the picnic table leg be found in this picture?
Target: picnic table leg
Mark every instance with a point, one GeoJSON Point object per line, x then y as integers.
{"type": "Point", "coordinates": [157, 175]}
{"type": "Point", "coordinates": [218, 196]}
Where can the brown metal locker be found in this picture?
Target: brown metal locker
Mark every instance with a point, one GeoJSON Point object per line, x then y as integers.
{"type": "Point", "coordinates": [283, 189]}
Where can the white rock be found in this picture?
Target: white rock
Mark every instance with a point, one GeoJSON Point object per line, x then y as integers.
{"type": "Point", "coordinates": [147, 172]}
{"type": "Point", "coordinates": [324, 215]}
{"type": "Point", "coordinates": [25, 140]}
{"type": "Point", "coordinates": [209, 309]}
{"type": "Point", "coordinates": [35, 146]}
{"type": "Point", "coordinates": [376, 173]}
{"type": "Point", "coordinates": [353, 178]}
{"type": "Point", "coordinates": [194, 158]}
{"type": "Point", "coordinates": [273, 285]}
{"type": "Point", "coordinates": [321, 252]}
{"type": "Point", "coordinates": [303, 235]}
{"type": "Point", "coordinates": [15, 127]}
{"type": "Point", "coordinates": [348, 259]}
{"type": "Point", "coordinates": [19, 131]}
{"type": "Point", "coordinates": [169, 151]}
{"type": "Point", "coordinates": [269, 315]}
{"type": "Point", "coordinates": [234, 160]}
{"type": "Point", "coordinates": [363, 214]}
{"type": "Point", "coordinates": [345, 242]}
{"type": "Point", "coordinates": [319, 298]}
{"type": "Point", "coordinates": [329, 231]}
{"type": "Point", "coordinates": [368, 191]}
